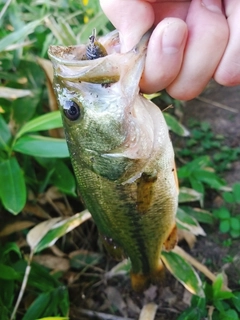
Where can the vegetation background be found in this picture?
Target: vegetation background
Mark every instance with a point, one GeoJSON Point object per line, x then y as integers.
{"type": "Point", "coordinates": [48, 271]}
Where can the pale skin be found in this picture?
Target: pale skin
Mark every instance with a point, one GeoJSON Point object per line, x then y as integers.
{"type": "Point", "coordinates": [192, 42]}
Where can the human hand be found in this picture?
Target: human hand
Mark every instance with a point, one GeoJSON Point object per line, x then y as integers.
{"type": "Point", "coordinates": [192, 42]}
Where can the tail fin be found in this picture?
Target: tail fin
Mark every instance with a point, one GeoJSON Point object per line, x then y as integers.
{"type": "Point", "coordinates": [141, 282]}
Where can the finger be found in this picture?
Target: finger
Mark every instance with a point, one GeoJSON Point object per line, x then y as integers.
{"type": "Point", "coordinates": [164, 54]}
{"type": "Point", "coordinates": [207, 40]}
{"type": "Point", "coordinates": [228, 71]}
{"type": "Point", "coordinates": [132, 19]}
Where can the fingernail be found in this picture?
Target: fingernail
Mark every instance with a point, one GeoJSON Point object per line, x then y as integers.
{"type": "Point", "coordinates": [213, 5]}
{"type": "Point", "coordinates": [172, 38]}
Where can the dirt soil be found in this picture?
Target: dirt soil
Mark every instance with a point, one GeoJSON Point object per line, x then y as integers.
{"type": "Point", "coordinates": [219, 106]}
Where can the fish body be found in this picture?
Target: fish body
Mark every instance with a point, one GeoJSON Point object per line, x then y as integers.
{"type": "Point", "coordinates": [120, 150]}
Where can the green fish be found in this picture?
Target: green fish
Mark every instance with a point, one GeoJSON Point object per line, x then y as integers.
{"type": "Point", "coordinates": [120, 150]}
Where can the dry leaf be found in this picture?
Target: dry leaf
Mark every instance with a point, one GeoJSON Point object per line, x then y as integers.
{"type": "Point", "coordinates": [52, 262]}
{"type": "Point", "coordinates": [15, 227]}
{"type": "Point", "coordinates": [187, 236]}
{"type": "Point", "coordinates": [38, 232]}
{"type": "Point", "coordinates": [148, 311]}
{"type": "Point", "coordinates": [187, 297]}
{"type": "Point", "coordinates": [12, 93]}
{"type": "Point", "coordinates": [36, 210]}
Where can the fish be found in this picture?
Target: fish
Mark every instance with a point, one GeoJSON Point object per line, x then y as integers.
{"type": "Point", "coordinates": [120, 150]}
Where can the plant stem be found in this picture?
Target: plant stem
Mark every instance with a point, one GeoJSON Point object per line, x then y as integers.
{"type": "Point", "coordinates": [24, 283]}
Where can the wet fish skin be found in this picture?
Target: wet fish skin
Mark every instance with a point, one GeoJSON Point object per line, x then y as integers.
{"type": "Point", "coordinates": [121, 152]}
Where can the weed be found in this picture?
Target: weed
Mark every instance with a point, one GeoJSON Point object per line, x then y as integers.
{"type": "Point", "coordinates": [228, 215]}
{"type": "Point", "coordinates": [203, 141]}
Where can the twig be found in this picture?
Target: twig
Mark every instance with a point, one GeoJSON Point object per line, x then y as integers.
{"type": "Point", "coordinates": [24, 283]}
{"type": "Point", "coordinates": [217, 104]}
{"type": "Point", "coordinates": [148, 312]}
{"type": "Point", "coordinates": [202, 268]}
{"type": "Point", "coordinates": [101, 315]}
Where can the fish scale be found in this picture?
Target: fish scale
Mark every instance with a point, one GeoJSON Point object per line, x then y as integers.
{"type": "Point", "coordinates": [120, 151]}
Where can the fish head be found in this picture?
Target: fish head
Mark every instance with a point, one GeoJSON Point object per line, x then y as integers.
{"type": "Point", "coordinates": [97, 97]}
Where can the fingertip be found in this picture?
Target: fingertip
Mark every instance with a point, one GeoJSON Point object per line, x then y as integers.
{"type": "Point", "coordinates": [131, 20]}
{"type": "Point", "coordinates": [164, 55]}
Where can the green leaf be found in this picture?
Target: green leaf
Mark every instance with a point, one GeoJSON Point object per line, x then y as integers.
{"type": "Point", "coordinates": [190, 167]}
{"type": "Point", "coordinates": [8, 273]}
{"type": "Point", "coordinates": [236, 192]}
{"type": "Point", "coordinates": [64, 179]}
{"type": "Point", "coordinates": [46, 304]}
{"type": "Point", "coordinates": [235, 224]}
{"type": "Point", "coordinates": [7, 296]}
{"type": "Point", "coordinates": [54, 318]}
{"type": "Point", "coordinates": [24, 108]}
{"type": "Point", "coordinates": [189, 195]}
{"type": "Point", "coordinates": [175, 125]}
{"type": "Point", "coordinates": [5, 134]}
{"type": "Point", "coordinates": [39, 146]}
{"type": "Point", "coordinates": [224, 226]}
{"type": "Point", "coordinates": [191, 314]}
{"type": "Point", "coordinates": [228, 197]}
{"type": "Point", "coordinates": [222, 213]}
{"type": "Point", "coordinates": [7, 248]}
{"type": "Point", "coordinates": [199, 214]}
{"type": "Point", "coordinates": [121, 268]}
{"type": "Point", "coordinates": [47, 121]}
{"type": "Point", "coordinates": [209, 178]}
{"type": "Point", "coordinates": [19, 35]}
{"type": "Point", "coordinates": [229, 315]}
{"type": "Point", "coordinates": [12, 186]}
{"type": "Point", "coordinates": [196, 184]}
{"type": "Point", "coordinates": [236, 301]}
{"type": "Point", "coordinates": [48, 281]}
{"type": "Point", "coordinates": [185, 221]}
{"type": "Point", "coordinates": [46, 233]}
{"type": "Point", "coordinates": [235, 233]}
{"type": "Point", "coordinates": [183, 272]}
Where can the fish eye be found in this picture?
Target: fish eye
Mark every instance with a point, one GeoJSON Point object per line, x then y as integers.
{"type": "Point", "coordinates": [71, 110]}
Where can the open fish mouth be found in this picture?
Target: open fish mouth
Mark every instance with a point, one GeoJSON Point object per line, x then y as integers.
{"type": "Point", "coordinates": [72, 63]}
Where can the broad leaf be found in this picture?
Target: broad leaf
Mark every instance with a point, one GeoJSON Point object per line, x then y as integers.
{"type": "Point", "coordinates": [121, 268]}
{"type": "Point", "coordinates": [189, 195]}
{"type": "Point", "coordinates": [49, 303]}
{"type": "Point", "coordinates": [48, 232]}
{"type": "Point", "coordinates": [12, 186]}
{"type": "Point", "coordinates": [39, 146]}
{"type": "Point", "coordinates": [8, 273]}
{"type": "Point", "coordinates": [183, 272]}
{"type": "Point", "coordinates": [63, 178]}
{"type": "Point", "coordinates": [47, 121]}
{"type": "Point", "coordinates": [185, 221]}
{"type": "Point", "coordinates": [175, 125]}
{"type": "Point", "coordinates": [5, 135]}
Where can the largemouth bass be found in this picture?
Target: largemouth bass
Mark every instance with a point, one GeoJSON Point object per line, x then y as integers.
{"type": "Point", "coordinates": [120, 150]}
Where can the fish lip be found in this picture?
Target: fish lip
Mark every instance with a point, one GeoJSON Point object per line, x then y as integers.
{"type": "Point", "coordinates": [74, 55]}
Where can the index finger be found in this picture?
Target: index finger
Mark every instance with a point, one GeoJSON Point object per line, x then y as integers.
{"type": "Point", "coordinates": [132, 19]}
